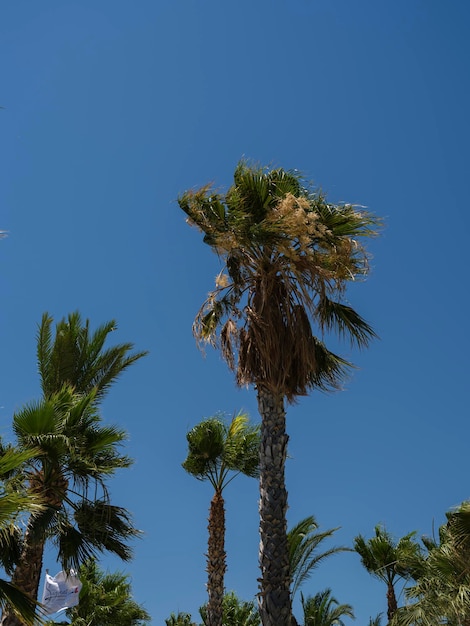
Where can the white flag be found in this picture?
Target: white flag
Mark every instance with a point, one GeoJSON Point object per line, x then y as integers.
{"type": "Point", "coordinates": [60, 592]}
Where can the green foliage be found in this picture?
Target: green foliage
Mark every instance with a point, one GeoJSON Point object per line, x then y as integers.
{"type": "Point", "coordinates": [441, 593]}
{"type": "Point", "coordinates": [235, 612]}
{"type": "Point", "coordinates": [181, 619]}
{"type": "Point", "coordinates": [77, 357]}
{"type": "Point", "coordinates": [218, 451]}
{"type": "Point", "coordinates": [387, 559]}
{"type": "Point", "coordinates": [13, 503]}
{"type": "Point", "coordinates": [105, 599]}
{"type": "Point", "coordinates": [323, 609]}
{"type": "Point", "coordinates": [304, 541]}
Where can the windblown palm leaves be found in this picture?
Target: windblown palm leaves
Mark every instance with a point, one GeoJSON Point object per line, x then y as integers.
{"type": "Point", "coordinates": [441, 593]}
{"type": "Point", "coordinates": [288, 255]}
{"type": "Point", "coordinates": [77, 357]}
{"type": "Point", "coordinates": [304, 541]}
{"type": "Point", "coordinates": [389, 560]}
{"type": "Point", "coordinates": [323, 609]}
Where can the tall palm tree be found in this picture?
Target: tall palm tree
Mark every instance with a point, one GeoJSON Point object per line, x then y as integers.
{"type": "Point", "coordinates": [218, 452]}
{"type": "Point", "coordinates": [389, 560]}
{"type": "Point", "coordinates": [106, 598]}
{"type": "Point", "coordinates": [288, 255]}
{"type": "Point", "coordinates": [304, 540]}
{"type": "Point", "coordinates": [14, 504]}
{"type": "Point", "coordinates": [74, 453]}
{"type": "Point", "coordinates": [324, 610]}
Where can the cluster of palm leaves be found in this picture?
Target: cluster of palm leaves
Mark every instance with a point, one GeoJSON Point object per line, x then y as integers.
{"type": "Point", "coordinates": [63, 456]}
{"type": "Point", "coordinates": [434, 575]}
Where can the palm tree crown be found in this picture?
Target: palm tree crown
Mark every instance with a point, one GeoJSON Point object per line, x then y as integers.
{"type": "Point", "coordinates": [218, 451]}
{"type": "Point", "coordinates": [389, 560]}
{"type": "Point", "coordinates": [288, 255]}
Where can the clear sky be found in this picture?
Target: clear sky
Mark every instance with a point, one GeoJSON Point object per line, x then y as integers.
{"type": "Point", "coordinates": [111, 109]}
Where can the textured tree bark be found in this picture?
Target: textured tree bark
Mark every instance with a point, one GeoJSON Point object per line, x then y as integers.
{"type": "Point", "coordinates": [392, 605]}
{"type": "Point", "coordinates": [26, 576]}
{"type": "Point", "coordinates": [216, 560]}
{"type": "Point", "coordinates": [274, 598]}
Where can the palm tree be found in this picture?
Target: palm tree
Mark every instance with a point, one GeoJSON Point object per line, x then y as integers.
{"type": "Point", "coordinates": [288, 255]}
{"type": "Point", "coordinates": [441, 593]}
{"type": "Point", "coordinates": [389, 560]}
{"type": "Point", "coordinates": [304, 540]}
{"type": "Point", "coordinates": [14, 504]}
{"type": "Point", "coordinates": [218, 452]}
{"type": "Point", "coordinates": [106, 598]}
{"type": "Point", "coordinates": [74, 453]}
{"type": "Point", "coordinates": [324, 610]}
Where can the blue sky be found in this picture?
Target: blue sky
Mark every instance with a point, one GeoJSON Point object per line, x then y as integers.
{"type": "Point", "coordinates": [113, 108]}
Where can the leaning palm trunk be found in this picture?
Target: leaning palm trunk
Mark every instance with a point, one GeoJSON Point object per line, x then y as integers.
{"type": "Point", "coordinates": [274, 598]}
{"type": "Point", "coordinates": [27, 575]}
{"type": "Point", "coordinates": [216, 565]}
{"type": "Point", "coordinates": [392, 605]}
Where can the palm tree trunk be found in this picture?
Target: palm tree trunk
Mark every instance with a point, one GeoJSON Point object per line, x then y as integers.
{"type": "Point", "coordinates": [216, 556]}
{"type": "Point", "coordinates": [392, 605]}
{"type": "Point", "coordinates": [27, 576]}
{"type": "Point", "coordinates": [274, 597]}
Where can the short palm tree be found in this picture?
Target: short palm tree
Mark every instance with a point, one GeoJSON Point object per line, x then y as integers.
{"type": "Point", "coordinates": [106, 598]}
{"type": "Point", "coordinates": [287, 257]}
{"type": "Point", "coordinates": [218, 452]}
{"type": "Point", "coordinates": [323, 609]}
{"type": "Point", "coordinates": [441, 593]}
{"type": "Point", "coordinates": [304, 540]}
{"type": "Point", "coordinates": [389, 560]}
{"type": "Point", "coordinates": [74, 455]}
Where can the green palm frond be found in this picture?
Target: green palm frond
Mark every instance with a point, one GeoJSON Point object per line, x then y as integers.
{"type": "Point", "coordinates": [22, 605]}
{"type": "Point", "coordinates": [78, 357]}
{"type": "Point", "coordinates": [323, 609]}
{"type": "Point", "coordinates": [93, 528]}
{"type": "Point", "coordinates": [344, 320]}
{"type": "Point", "coordinates": [304, 541]}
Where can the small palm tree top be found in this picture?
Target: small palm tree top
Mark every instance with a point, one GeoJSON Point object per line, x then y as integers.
{"type": "Point", "coordinates": [217, 449]}
{"type": "Point", "coordinates": [288, 255]}
{"type": "Point", "coordinates": [323, 609]}
{"type": "Point", "coordinates": [77, 357]}
{"type": "Point", "coordinates": [387, 558]}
